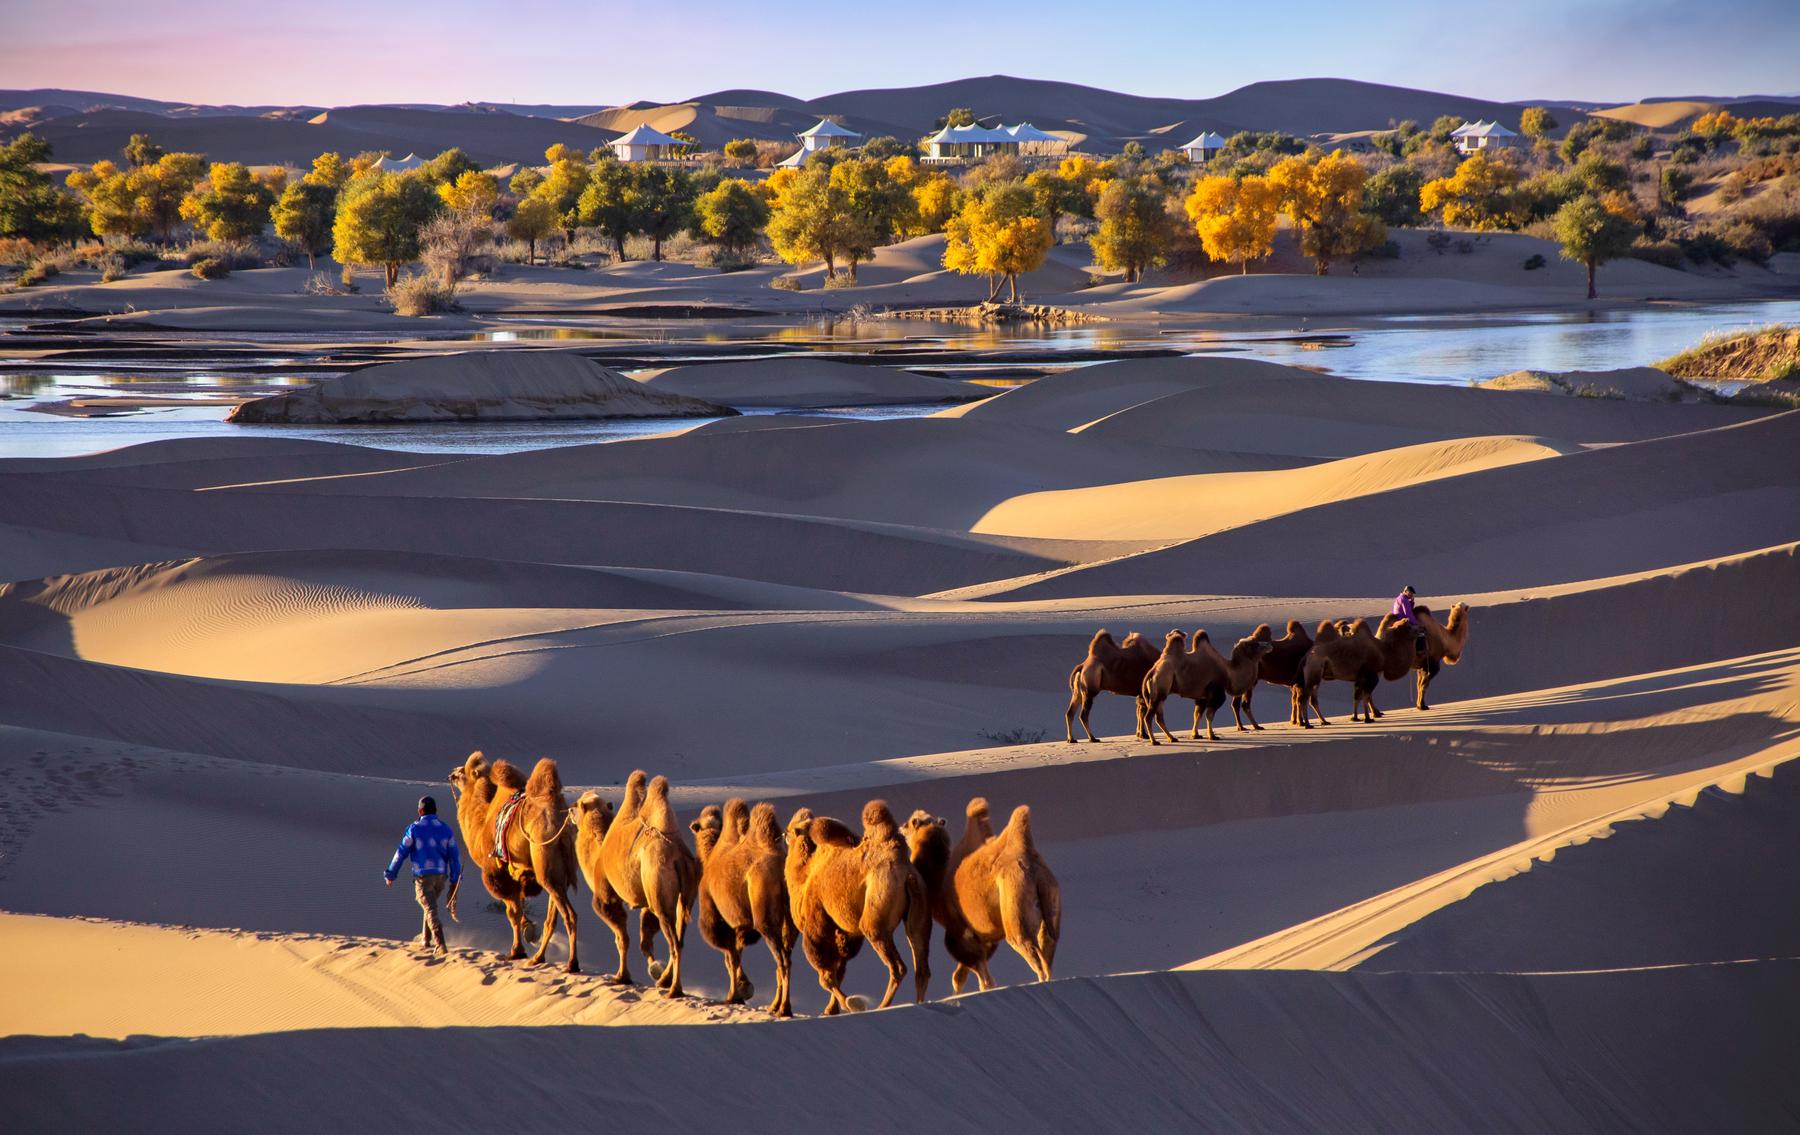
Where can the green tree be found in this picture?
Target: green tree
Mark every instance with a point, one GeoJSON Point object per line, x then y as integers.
{"type": "Point", "coordinates": [533, 220]}
{"type": "Point", "coordinates": [329, 170]}
{"type": "Point", "coordinates": [378, 221]}
{"type": "Point", "coordinates": [1135, 228]}
{"type": "Point", "coordinates": [741, 151]}
{"type": "Point", "coordinates": [141, 151]}
{"type": "Point", "coordinates": [1055, 195]}
{"type": "Point", "coordinates": [959, 116]}
{"type": "Point", "coordinates": [31, 205]}
{"type": "Point", "coordinates": [1535, 122]}
{"type": "Point", "coordinates": [563, 187]}
{"type": "Point", "coordinates": [159, 188]}
{"type": "Point", "coordinates": [472, 192]}
{"type": "Point", "coordinates": [1000, 233]}
{"type": "Point", "coordinates": [732, 215]}
{"type": "Point", "coordinates": [871, 208]}
{"type": "Point", "coordinates": [884, 146]}
{"type": "Point", "coordinates": [1592, 234]}
{"type": "Point", "coordinates": [447, 167]}
{"type": "Point", "coordinates": [112, 207]}
{"type": "Point", "coordinates": [663, 202]}
{"type": "Point", "coordinates": [608, 202]}
{"type": "Point", "coordinates": [525, 182]}
{"type": "Point", "coordinates": [231, 204]}
{"type": "Point", "coordinates": [303, 215]}
{"type": "Point", "coordinates": [1393, 194]}
{"type": "Point", "coordinates": [1675, 185]}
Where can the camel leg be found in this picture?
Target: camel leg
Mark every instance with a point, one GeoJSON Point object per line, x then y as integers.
{"type": "Point", "coordinates": [614, 914]}
{"type": "Point", "coordinates": [667, 916]}
{"type": "Point", "coordinates": [515, 914]}
{"type": "Point", "coordinates": [781, 947]}
{"type": "Point", "coordinates": [1022, 921]}
{"type": "Point", "coordinates": [1369, 706]}
{"type": "Point", "coordinates": [1237, 712]}
{"type": "Point", "coordinates": [1196, 720]}
{"type": "Point", "coordinates": [1312, 699]}
{"type": "Point", "coordinates": [734, 971]}
{"type": "Point", "coordinates": [1212, 706]}
{"type": "Point", "coordinates": [918, 939]}
{"type": "Point", "coordinates": [960, 976]}
{"type": "Point", "coordinates": [648, 925]}
{"type": "Point", "coordinates": [1426, 674]}
{"type": "Point", "coordinates": [984, 979]}
{"type": "Point", "coordinates": [890, 957]}
{"type": "Point", "coordinates": [551, 910]}
{"type": "Point", "coordinates": [1249, 711]}
{"type": "Point", "coordinates": [1155, 713]}
{"type": "Point", "coordinates": [1087, 707]}
{"type": "Point", "coordinates": [559, 906]}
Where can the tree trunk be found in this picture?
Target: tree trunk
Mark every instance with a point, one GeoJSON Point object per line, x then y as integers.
{"type": "Point", "coordinates": [1590, 267]}
{"type": "Point", "coordinates": [1012, 281]}
{"type": "Point", "coordinates": [656, 248]}
{"type": "Point", "coordinates": [1324, 266]}
{"type": "Point", "coordinates": [310, 266]}
{"type": "Point", "coordinates": [531, 251]}
{"type": "Point", "coordinates": [619, 244]}
{"type": "Point", "coordinates": [393, 273]}
{"type": "Point", "coordinates": [993, 288]}
{"type": "Point", "coordinates": [1244, 266]}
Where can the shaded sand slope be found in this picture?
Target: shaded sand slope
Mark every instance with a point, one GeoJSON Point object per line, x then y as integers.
{"type": "Point", "coordinates": [1596, 1052]}
{"type": "Point", "coordinates": [1249, 405]}
{"type": "Point", "coordinates": [193, 463]}
{"type": "Point", "coordinates": [1592, 514]}
{"type": "Point", "coordinates": [1712, 881]}
{"type": "Point", "coordinates": [803, 383]}
{"type": "Point", "coordinates": [924, 472]}
{"type": "Point", "coordinates": [838, 556]}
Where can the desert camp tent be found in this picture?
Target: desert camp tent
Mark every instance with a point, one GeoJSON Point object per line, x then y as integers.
{"type": "Point", "coordinates": [955, 143]}
{"type": "Point", "coordinates": [643, 144]}
{"type": "Point", "coordinates": [1203, 148]}
{"type": "Point", "coordinates": [1472, 136]}
{"type": "Point", "coordinates": [399, 165]}
{"type": "Point", "coordinates": [823, 136]}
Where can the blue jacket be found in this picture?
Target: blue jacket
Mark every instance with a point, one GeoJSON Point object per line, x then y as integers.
{"type": "Point", "coordinates": [431, 846]}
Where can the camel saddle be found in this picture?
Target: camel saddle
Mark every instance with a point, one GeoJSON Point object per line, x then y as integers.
{"type": "Point", "coordinates": [507, 817]}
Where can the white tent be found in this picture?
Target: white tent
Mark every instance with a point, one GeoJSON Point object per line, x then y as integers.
{"type": "Point", "coordinates": [1472, 136]}
{"type": "Point", "coordinates": [976, 141]}
{"type": "Point", "coordinates": [823, 135]}
{"type": "Point", "coordinates": [399, 165]}
{"type": "Point", "coordinates": [1203, 147]}
{"type": "Point", "coordinates": [644, 144]}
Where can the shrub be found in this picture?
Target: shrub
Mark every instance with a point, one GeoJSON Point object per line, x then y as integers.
{"type": "Point", "coordinates": [16, 251]}
{"type": "Point", "coordinates": [233, 254]}
{"type": "Point", "coordinates": [1386, 250]}
{"type": "Point", "coordinates": [730, 260]}
{"type": "Point", "coordinates": [1744, 239]}
{"type": "Point", "coordinates": [1465, 246]}
{"type": "Point", "coordinates": [1535, 261]}
{"type": "Point", "coordinates": [112, 267]}
{"type": "Point", "coordinates": [1438, 241]}
{"type": "Point", "coordinates": [842, 280]}
{"type": "Point", "coordinates": [210, 268]}
{"type": "Point", "coordinates": [1017, 736]}
{"type": "Point", "coordinates": [1665, 252]}
{"type": "Point", "coordinates": [787, 284]}
{"type": "Point", "coordinates": [1787, 370]}
{"type": "Point", "coordinates": [36, 272]}
{"type": "Point", "coordinates": [421, 295]}
{"type": "Point", "coordinates": [319, 284]}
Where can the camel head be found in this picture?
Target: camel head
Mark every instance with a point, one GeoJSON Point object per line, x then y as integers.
{"type": "Point", "coordinates": [1252, 649]}
{"type": "Point", "coordinates": [593, 813]}
{"type": "Point", "coordinates": [799, 828]}
{"type": "Point", "coordinates": [706, 830]}
{"type": "Point", "coordinates": [878, 821]}
{"type": "Point", "coordinates": [923, 829]}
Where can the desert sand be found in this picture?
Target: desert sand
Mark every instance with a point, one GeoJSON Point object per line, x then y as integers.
{"type": "Point", "coordinates": [1560, 899]}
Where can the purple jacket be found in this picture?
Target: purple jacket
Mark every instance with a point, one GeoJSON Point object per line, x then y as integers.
{"type": "Point", "coordinates": [1403, 607]}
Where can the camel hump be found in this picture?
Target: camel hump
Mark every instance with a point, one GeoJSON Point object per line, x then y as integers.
{"type": "Point", "coordinates": [737, 815]}
{"type": "Point", "coordinates": [1263, 633]}
{"type": "Point", "coordinates": [827, 830]}
{"type": "Point", "coordinates": [1295, 627]}
{"type": "Point", "coordinates": [765, 829]}
{"type": "Point", "coordinates": [1201, 636]}
{"type": "Point", "coordinates": [977, 807]}
{"type": "Point", "coordinates": [659, 786]}
{"type": "Point", "coordinates": [878, 819]}
{"type": "Point", "coordinates": [1421, 609]}
{"type": "Point", "coordinates": [1102, 637]}
{"type": "Point", "coordinates": [1018, 829]}
{"type": "Point", "coordinates": [507, 775]}
{"type": "Point", "coordinates": [546, 780]}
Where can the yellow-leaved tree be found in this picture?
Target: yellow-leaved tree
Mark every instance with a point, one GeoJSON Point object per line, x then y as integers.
{"type": "Point", "coordinates": [1323, 197]}
{"type": "Point", "coordinates": [1234, 218]}
{"type": "Point", "coordinates": [1479, 195]}
{"type": "Point", "coordinates": [998, 233]}
{"type": "Point", "coordinates": [473, 192]}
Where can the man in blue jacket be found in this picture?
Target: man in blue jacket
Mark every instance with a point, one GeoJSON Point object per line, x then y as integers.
{"type": "Point", "coordinates": [436, 865]}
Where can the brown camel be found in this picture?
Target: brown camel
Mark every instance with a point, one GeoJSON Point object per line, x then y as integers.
{"type": "Point", "coordinates": [1109, 668]}
{"type": "Point", "coordinates": [1281, 666]}
{"type": "Point", "coordinates": [540, 844]}
{"type": "Point", "coordinates": [1444, 644]}
{"type": "Point", "coordinates": [936, 860]}
{"type": "Point", "coordinates": [1361, 657]}
{"type": "Point", "coordinates": [743, 893]}
{"type": "Point", "coordinates": [843, 890]}
{"type": "Point", "coordinates": [647, 864]}
{"type": "Point", "coordinates": [593, 817]}
{"type": "Point", "coordinates": [1201, 674]}
{"type": "Point", "coordinates": [987, 890]}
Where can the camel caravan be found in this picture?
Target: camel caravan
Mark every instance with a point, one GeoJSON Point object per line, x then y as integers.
{"type": "Point", "coordinates": [1191, 667]}
{"type": "Point", "coordinates": [747, 879]}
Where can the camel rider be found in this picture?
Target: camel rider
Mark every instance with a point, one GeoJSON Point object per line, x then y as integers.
{"type": "Point", "coordinates": [436, 865]}
{"type": "Point", "coordinates": [1403, 609]}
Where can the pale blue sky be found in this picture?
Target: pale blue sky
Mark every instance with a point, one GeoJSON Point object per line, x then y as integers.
{"type": "Point", "coordinates": [336, 52]}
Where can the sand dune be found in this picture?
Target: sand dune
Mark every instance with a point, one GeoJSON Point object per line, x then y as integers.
{"type": "Point", "coordinates": [215, 657]}
{"type": "Point", "coordinates": [808, 384]}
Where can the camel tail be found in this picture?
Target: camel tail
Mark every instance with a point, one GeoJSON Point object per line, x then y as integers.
{"type": "Point", "coordinates": [507, 775]}
{"type": "Point", "coordinates": [546, 780]}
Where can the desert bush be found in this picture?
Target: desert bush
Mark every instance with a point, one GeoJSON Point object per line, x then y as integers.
{"type": "Point", "coordinates": [841, 280]}
{"type": "Point", "coordinates": [1776, 213]}
{"type": "Point", "coordinates": [455, 243]}
{"type": "Point", "coordinates": [1016, 736]}
{"type": "Point", "coordinates": [16, 251]}
{"type": "Point", "coordinates": [233, 254]}
{"type": "Point", "coordinates": [319, 284]}
{"type": "Point", "coordinates": [112, 267]}
{"type": "Point", "coordinates": [730, 259]}
{"type": "Point", "coordinates": [36, 272]}
{"type": "Point", "coordinates": [1438, 241]}
{"type": "Point", "coordinates": [1386, 250]}
{"type": "Point", "coordinates": [135, 252]}
{"type": "Point", "coordinates": [787, 284]}
{"type": "Point", "coordinates": [1744, 239]}
{"type": "Point", "coordinates": [1665, 252]}
{"type": "Point", "coordinates": [210, 268]}
{"type": "Point", "coordinates": [421, 294]}
{"type": "Point", "coordinates": [1535, 261]}
{"type": "Point", "coordinates": [1465, 246]}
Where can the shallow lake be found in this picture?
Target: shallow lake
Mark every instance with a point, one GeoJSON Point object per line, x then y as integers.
{"type": "Point", "coordinates": [1433, 349]}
